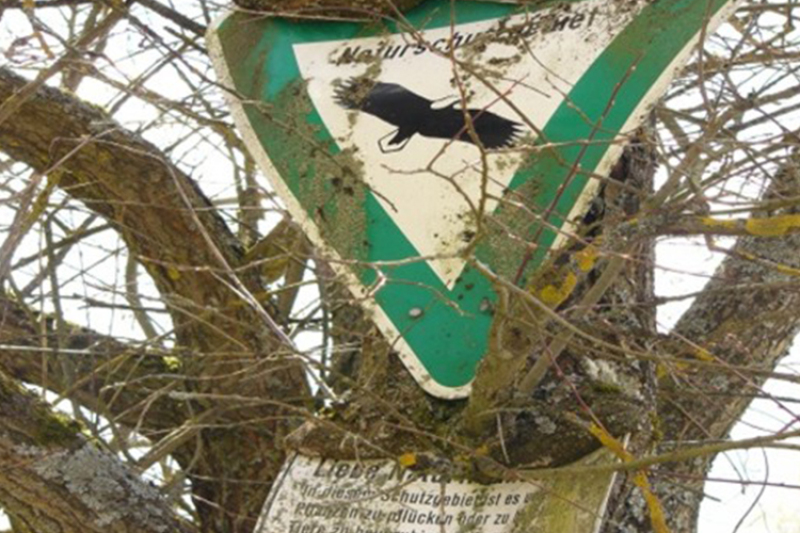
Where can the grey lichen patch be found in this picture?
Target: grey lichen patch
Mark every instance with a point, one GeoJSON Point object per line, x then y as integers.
{"type": "Point", "coordinates": [606, 377]}
{"type": "Point", "coordinates": [546, 424]}
{"type": "Point", "coordinates": [100, 482]}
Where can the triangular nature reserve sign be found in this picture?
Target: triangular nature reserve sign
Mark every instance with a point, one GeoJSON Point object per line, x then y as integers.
{"type": "Point", "coordinates": [463, 136]}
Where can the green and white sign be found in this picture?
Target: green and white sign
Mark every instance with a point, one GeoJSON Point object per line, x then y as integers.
{"type": "Point", "coordinates": [467, 134]}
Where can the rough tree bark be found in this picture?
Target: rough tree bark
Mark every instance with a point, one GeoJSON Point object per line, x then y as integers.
{"type": "Point", "coordinates": [54, 479]}
{"type": "Point", "coordinates": [171, 229]}
{"type": "Point", "coordinates": [227, 413]}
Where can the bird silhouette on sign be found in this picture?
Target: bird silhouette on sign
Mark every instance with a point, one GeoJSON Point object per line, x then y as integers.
{"type": "Point", "coordinates": [414, 114]}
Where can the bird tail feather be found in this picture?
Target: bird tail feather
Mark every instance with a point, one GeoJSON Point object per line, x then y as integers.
{"type": "Point", "coordinates": [351, 93]}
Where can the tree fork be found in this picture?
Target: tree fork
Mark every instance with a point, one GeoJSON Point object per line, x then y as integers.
{"type": "Point", "coordinates": [130, 183]}
{"type": "Point", "coordinates": [744, 328]}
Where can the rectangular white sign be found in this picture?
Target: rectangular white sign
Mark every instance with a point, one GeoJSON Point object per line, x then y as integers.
{"type": "Point", "coordinates": [315, 495]}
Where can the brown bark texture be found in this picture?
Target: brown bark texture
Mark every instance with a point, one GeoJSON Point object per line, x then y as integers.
{"type": "Point", "coordinates": [54, 479]}
{"type": "Point", "coordinates": [168, 224]}
{"type": "Point", "coordinates": [231, 397]}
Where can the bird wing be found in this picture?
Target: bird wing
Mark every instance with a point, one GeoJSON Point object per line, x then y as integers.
{"type": "Point", "coordinates": [351, 93]}
{"type": "Point", "coordinates": [493, 130]}
{"type": "Point", "coordinates": [390, 102]}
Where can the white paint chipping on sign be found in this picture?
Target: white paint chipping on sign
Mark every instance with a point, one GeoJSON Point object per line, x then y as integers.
{"type": "Point", "coordinates": [314, 495]}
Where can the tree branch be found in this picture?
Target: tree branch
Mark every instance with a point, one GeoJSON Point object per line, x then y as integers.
{"type": "Point", "coordinates": [229, 344]}
{"type": "Point", "coordinates": [156, 208]}
{"type": "Point", "coordinates": [772, 226]}
{"type": "Point", "coordinates": [742, 328]}
{"type": "Point", "coordinates": [53, 479]}
{"type": "Point", "coordinates": [170, 14]}
{"type": "Point", "coordinates": [747, 328]}
{"type": "Point", "coordinates": [106, 376]}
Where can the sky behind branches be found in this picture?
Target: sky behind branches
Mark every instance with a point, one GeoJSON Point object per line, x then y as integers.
{"type": "Point", "coordinates": [93, 294]}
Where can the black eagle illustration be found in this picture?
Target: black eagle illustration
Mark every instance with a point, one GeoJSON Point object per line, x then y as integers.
{"type": "Point", "coordinates": [412, 114]}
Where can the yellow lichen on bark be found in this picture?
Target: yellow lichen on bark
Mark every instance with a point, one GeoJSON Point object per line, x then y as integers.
{"type": "Point", "coordinates": [657, 517]}
{"type": "Point", "coordinates": [704, 355]}
{"type": "Point", "coordinates": [586, 258]}
{"type": "Point", "coordinates": [791, 271]}
{"type": "Point", "coordinates": [772, 226]}
{"type": "Point", "coordinates": [775, 226]}
{"type": "Point", "coordinates": [716, 223]}
{"type": "Point", "coordinates": [554, 295]}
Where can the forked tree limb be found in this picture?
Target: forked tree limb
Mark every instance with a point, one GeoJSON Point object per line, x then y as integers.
{"type": "Point", "coordinates": [164, 218]}
{"type": "Point", "coordinates": [744, 328]}
{"type": "Point", "coordinates": [228, 344]}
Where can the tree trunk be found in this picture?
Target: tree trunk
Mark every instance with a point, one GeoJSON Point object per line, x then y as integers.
{"type": "Point", "coordinates": [565, 375]}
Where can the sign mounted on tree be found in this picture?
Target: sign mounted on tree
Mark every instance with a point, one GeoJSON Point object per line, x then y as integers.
{"type": "Point", "coordinates": [316, 495]}
{"type": "Point", "coordinates": [458, 140]}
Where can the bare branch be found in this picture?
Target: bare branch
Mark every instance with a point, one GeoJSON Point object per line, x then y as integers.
{"type": "Point", "coordinates": [45, 458]}
{"type": "Point", "coordinates": [107, 376]}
